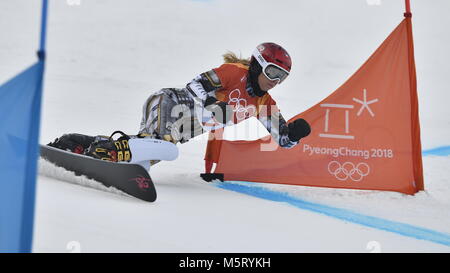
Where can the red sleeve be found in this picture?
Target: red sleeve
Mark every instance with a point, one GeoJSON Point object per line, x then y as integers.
{"type": "Point", "coordinates": [267, 105]}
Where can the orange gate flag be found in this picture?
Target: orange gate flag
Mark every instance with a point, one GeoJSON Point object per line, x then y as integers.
{"type": "Point", "coordinates": [365, 135]}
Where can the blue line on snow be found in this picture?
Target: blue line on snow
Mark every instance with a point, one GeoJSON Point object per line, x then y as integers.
{"type": "Point", "coordinates": [343, 214]}
{"type": "Point", "coordinates": [442, 151]}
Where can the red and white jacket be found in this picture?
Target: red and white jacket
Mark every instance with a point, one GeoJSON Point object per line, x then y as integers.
{"type": "Point", "coordinates": [229, 83]}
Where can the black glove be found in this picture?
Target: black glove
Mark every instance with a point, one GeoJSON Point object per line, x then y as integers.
{"type": "Point", "coordinates": [221, 110]}
{"type": "Point", "coordinates": [297, 129]}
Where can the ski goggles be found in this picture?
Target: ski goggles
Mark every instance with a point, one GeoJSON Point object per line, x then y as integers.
{"type": "Point", "coordinates": [270, 70]}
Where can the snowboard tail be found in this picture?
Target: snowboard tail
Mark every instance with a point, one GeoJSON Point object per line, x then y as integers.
{"type": "Point", "coordinates": [132, 179]}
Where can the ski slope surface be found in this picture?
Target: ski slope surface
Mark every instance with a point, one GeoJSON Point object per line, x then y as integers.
{"type": "Point", "coordinates": [104, 59]}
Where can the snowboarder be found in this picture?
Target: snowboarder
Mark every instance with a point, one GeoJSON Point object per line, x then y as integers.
{"type": "Point", "coordinates": [223, 96]}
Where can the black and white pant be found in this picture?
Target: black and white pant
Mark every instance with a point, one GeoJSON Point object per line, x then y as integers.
{"type": "Point", "coordinates": [168, 114]}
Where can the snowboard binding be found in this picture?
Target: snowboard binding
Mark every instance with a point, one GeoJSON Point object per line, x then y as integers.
{"type": "Point", "coordinates": [106, 148]}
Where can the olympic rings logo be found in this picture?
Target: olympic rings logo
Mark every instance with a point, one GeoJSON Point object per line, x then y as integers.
{"type": "Point", "coordinates": [241, 108]}
{"type": "Point", "coordinates": [348, 170]}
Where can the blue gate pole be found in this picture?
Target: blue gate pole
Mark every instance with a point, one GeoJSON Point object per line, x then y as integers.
{"type": "Point", "coordinates": [41, 51]}
{"type": "Point", "coordinates": [26, 240]}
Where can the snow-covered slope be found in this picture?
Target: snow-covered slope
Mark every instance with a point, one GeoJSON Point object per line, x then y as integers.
{"type": "Point", "coordinates": [106, 57]}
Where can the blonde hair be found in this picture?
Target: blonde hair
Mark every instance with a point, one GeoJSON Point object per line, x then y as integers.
{"type": "Point", "coordinates": [231, 57]}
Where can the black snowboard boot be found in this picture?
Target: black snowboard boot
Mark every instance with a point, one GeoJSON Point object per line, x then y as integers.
{"type": "Point", "coordinates": [75, 143]}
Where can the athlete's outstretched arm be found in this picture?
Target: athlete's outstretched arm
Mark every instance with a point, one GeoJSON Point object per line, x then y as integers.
{"type": "Point", "coordinates": [286, 135]}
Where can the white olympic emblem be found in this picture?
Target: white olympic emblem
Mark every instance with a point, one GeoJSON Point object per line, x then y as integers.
{"type": "Point", "coordinates": [241, 108]}
{"type": "Point", "coordinates": [348, 170]}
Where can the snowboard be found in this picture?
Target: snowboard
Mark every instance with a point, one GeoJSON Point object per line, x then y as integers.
{"type": "Point", "coordinates": [132, 179]}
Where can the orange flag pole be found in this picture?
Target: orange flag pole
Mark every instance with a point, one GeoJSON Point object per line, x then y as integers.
{"type": "Point", "coordinates": [408, 9]}
{"type": "Point", "coordinates": [417, 147]}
